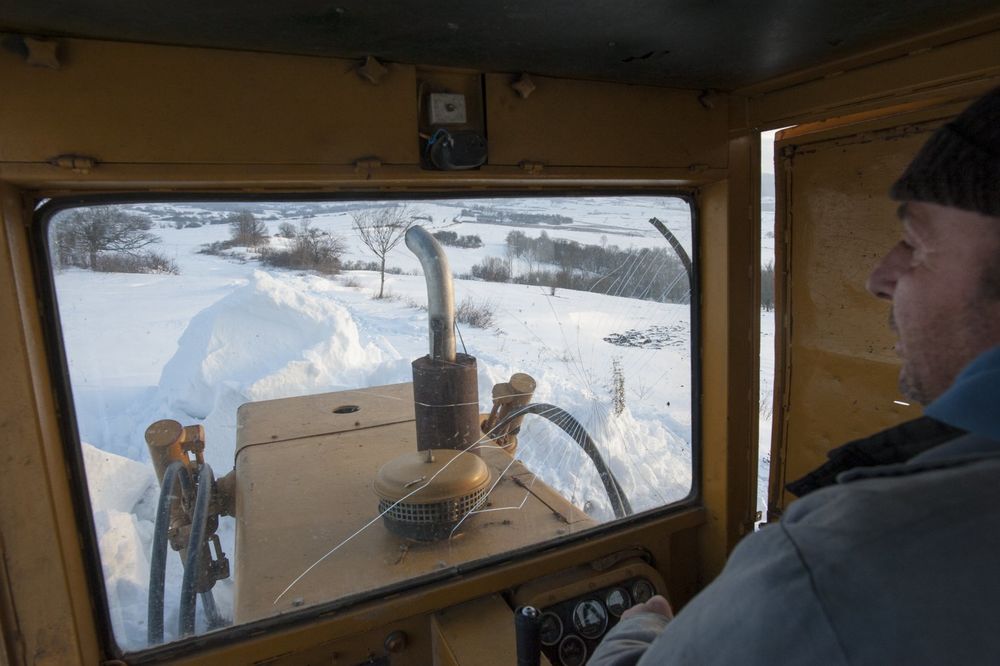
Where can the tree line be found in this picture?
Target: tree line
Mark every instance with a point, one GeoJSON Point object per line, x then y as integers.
{"type": "Point", "coordinates": [654, 274]}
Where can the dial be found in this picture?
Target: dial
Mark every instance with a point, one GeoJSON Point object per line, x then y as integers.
{"type": "Point", "coordinates": [642, 591]}
{"type": "Point", "coordinates": [590, 618]}
{"type": "Point", "coordinates": [551, 629]}
{"type": "Point", "coordinates": [618, 601]}
{"type": "Point", "coordinates": [572, 651]}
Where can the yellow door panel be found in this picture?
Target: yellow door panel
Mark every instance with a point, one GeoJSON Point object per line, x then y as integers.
{"type": "Point", "coordinates": [836, 369]}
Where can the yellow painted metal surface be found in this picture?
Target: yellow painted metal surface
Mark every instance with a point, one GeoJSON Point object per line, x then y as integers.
{"type": "Point", "coordinates": [458, 636]}
{"type": "Point", "coordinates": [141, 104]}
{"type": "Point", "coordinates": [51, 620]}
{"type": "Point", "coordinates": [565, 123]}
{"type": "Point", "coordinates": [730, 320]}
{"type": "Point", "coordinates": [302, 495]}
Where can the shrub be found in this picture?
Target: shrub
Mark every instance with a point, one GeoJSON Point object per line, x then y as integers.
{"type": "Point", "coordinates": [617, 386]}
{"type": "Point", "coordinates": [312, 249]}
{"type": "Point", "coordinates": [477, 315]}
{"type": "Point", "coordinates": [286, 230]}
{"type": "Point", "coordinates": [143, 262]}
{"type": "Point", "coordinates": [370, 266]}
{"type": "Point", "coordinates": [246, 229]}
{"type": "Point", "coordinates": [492, 269]}
{"type": "Point", "coordinates": [217, 248]}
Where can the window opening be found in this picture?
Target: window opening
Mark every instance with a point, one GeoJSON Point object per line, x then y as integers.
{"type": "Point", "coordinates": [274, 345]}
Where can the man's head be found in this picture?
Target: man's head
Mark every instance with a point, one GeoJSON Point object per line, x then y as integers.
{"type": "Point", "coordinates": [943, 276]}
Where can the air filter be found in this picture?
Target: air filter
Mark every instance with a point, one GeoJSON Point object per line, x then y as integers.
{"type": "Point", "coordinates": [448, 484]}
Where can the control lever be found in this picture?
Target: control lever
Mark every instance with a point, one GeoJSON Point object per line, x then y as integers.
{"type": "Point", "coordinates": [528, 632]}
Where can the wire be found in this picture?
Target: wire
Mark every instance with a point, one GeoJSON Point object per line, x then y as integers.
{"type": "Point", "coordinates": [560, 417]}
{"type": "Point", "coordinates": [158, 559]}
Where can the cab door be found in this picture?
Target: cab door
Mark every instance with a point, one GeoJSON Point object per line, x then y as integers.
{"type": "Point", "coordinates": [835, 367]}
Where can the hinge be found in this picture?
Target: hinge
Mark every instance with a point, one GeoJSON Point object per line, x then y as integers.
{"type": "Point", "coordinates": [534, 168]}
{"type": "Point", "coordinates": [367, 165]}
{"type": "Point", "coordinates": [36, 52]}
{"type": "Point", "coordinates": [74, 163]}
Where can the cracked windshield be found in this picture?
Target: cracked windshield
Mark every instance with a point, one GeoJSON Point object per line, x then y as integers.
{"type": "Point", "coordinates": [351, 396]}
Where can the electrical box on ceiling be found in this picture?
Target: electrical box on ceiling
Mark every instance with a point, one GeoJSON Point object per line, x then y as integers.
{"type": "Point", "coordinates": [452, 127]}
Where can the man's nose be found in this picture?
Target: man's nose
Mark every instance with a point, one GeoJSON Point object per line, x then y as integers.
{"type": "Point", "coordinates": [882, 280]}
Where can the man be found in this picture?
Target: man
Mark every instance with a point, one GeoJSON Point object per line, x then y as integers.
{"type": "Point", "coordinates": [892, 554]}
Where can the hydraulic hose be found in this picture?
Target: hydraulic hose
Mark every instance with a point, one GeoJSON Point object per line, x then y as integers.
{"type": "Point", "coordinates": [195, 549]}
{"type": "Point", "coordinates": [158, 559]}
{"type": "Point", "coordinates": [560, 417]}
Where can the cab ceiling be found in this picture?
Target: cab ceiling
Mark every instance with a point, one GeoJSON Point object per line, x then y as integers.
{"type": "Point", "coordinates": [717, 44]}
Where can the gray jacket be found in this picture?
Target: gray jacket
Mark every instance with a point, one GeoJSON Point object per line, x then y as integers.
{"type": "Point", "coordinates": [896, 564]}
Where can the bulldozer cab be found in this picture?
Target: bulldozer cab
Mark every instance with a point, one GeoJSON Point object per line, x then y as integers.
{"type": "Point", "coordinates": [346, 333]}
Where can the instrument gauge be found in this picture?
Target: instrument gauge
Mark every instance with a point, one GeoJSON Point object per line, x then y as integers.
{"type": "Point", "coordinates": [642, 591]}
{"type": "Point", "coordinates": [590, 618]}
{"type": "Point", "coordinates": [572, 651]}
{"type": "Point", "coordinates": [551, 629]}
{"type": "Point", "coordinates": [618, 601]}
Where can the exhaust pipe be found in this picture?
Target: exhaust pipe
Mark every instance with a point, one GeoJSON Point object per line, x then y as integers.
{"type": "Point", "coordinates": [440, 292]}
{"type": "Point", "coordinates": [445, 383]}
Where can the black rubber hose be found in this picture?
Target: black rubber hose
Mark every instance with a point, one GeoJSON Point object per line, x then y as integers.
{"type": "Point", "coordinates": [195, 548]}
{"type": "Point", "coordinates": [560, 417]}
{"type": "Point", "coordinates": [158, 559]}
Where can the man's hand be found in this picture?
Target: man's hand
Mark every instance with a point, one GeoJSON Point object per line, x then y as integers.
{"type": "Point", "coordinates": [657, 604]}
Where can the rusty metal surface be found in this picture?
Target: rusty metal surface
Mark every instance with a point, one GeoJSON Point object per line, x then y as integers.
{"type": "Point", "coordinates": [446, 403]}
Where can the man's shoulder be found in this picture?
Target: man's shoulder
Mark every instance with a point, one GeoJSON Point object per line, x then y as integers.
{"type": "Point", "coordinates": [903, 559]}
{"type": "Point", "coordinates": [890, 497]}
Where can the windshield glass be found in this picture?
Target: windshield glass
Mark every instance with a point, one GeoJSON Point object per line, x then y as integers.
{"type": "Point", "coordinates": [287, 346]}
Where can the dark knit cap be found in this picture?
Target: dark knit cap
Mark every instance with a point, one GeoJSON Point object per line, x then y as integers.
{"type": "Point", "coordinates": [959, 166]}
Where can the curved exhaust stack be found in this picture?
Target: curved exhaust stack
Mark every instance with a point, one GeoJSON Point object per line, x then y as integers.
{"type": "Point", "coordinates": [445, 383]}
{"type": "Point", "coordinates": [440, 292]}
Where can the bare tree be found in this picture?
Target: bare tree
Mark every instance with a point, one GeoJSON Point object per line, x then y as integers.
{"type": "Point", "coordinates": [91, 231]}
{"type": "Point", "coordinates": [246, 230]}
{"type": "Point", "coordinates": [381, 229]}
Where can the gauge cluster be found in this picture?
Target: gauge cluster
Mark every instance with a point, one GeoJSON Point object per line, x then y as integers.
{"type": "Point", "coordinates": [571, 629]}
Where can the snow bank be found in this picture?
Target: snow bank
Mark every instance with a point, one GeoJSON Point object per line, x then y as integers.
{"type": "Point", "coordinates": [123, 495]}
{"type": "Point", "coordinates": [271, 338]}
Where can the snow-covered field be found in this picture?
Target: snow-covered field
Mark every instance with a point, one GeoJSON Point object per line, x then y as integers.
{"type": "Point", "coordinates": [228, 330]}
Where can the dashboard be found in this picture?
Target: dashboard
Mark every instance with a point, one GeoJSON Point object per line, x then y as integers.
{"type": "Point", "coordinates": [578, 608]}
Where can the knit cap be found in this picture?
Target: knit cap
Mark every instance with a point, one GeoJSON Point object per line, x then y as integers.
{"type": "Point", "coordinates": [959, 166]}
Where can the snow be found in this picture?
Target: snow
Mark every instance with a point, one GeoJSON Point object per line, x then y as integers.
{"type": "Point", "coordinates": [227, 330]}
